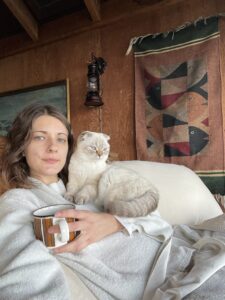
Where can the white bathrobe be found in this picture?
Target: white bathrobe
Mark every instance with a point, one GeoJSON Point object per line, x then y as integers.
{"type": "Point", "coordinates": [116, 267]}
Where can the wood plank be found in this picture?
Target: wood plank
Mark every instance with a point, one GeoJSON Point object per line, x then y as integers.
{"type": "Point", "coordinates": [75, 24]}
{"type": "Point", "coordinates": [23, 15]}
{"type": "Point", "coordinates": [2, 144]}
{"type": "Point", "coordinates": [222, 68]}
{"type": "Point", "coordinates": [93, 7]}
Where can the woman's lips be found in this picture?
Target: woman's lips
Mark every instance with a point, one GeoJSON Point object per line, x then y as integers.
{"type": "Point", "coordinates": [51, 161]}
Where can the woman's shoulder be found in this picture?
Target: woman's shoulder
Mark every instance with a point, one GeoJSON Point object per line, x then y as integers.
{"type": "Point", "coordinates": [16, 194]}
{"type": "Point", "coordinates": [19, 199]}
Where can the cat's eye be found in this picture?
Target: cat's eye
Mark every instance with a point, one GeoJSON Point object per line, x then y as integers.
{"type": "Point", "coordinates": [91, 148]}
{"type": "Point", "coordinates": [105, 150]}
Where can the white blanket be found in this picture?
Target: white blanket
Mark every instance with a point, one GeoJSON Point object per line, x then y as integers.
{"type": "Point", "coordinates": [122, 266]}
{"type": "Point", "coordinates": [189, 260]}
{"type": "Point", "coordinates": [190, 265]}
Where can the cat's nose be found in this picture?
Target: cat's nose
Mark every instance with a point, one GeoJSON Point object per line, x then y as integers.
{"type": "Point", "coordinates": [99, 153]}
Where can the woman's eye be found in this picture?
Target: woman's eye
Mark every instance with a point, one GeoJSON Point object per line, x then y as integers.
{"type": "Point", "coordinates": [39, 138]}
{"type": "Point", "coordinates": [62, 140]}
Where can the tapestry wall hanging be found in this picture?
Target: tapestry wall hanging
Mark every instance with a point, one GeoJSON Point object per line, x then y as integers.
{"type": "Point", "coordinates": [178, 113]}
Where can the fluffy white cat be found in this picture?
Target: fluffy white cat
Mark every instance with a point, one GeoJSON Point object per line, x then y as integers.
{"type": "Point", "coordinates": [118, 190]}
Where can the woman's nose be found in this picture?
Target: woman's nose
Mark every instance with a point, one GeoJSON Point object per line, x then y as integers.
{"type": "Point", "coordinates": [52, 146]}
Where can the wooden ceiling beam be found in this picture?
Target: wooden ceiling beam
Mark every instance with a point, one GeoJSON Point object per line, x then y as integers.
{"type": "Point", "coordinates": [23, 15]}
{"type": "Point", "coordinates": [93, 7]}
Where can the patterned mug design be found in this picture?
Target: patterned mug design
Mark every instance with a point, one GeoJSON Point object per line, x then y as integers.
{"type": "Point", "coordinates": [44, 218]}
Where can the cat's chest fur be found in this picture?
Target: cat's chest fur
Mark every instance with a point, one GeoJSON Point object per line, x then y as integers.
{"type": "Point", "coordinates": [87, 171]}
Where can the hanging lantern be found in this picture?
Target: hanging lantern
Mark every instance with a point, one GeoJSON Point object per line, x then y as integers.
{"type": "Point", "coordinates": [95, 68]}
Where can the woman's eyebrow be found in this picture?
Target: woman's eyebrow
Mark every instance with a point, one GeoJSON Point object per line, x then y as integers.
{"type": "Point", "coordinates": [42, 131]}
{"type": "Point", "coordinates": [45, 132]}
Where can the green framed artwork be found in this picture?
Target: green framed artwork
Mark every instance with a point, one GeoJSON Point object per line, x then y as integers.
{"type": "Point", "coordinates": [11, 103]}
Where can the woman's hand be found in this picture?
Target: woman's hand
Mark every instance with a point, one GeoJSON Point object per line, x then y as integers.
{"type": "Point", "coordinates": [92, 226]}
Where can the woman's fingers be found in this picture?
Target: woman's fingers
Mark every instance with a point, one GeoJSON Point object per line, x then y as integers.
{"type": "Point", "coordinates": [77, 245]}
{"type": "Point", "coordinates": [72, 213]}
{"type": "Point", "coordinates": [73, 226]}
{"type": "Point", "coordinates": [93, 227]}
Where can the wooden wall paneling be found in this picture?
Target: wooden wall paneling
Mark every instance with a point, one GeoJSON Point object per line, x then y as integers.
{"type": "Point", "coordinates": [2, 144]}
{"type": "Point", "coordinates": [119, 109]}
{"type": "Point", "coordinates": [66, 56]}
{"type": "Point", "coordinates": [2, 147]}
{"type": "Point", "coordinates": [67, 26]}
{"type": "Point", "coordinates": [118, 83]}
{"type": "Point", "coordinates": [77, 23]}
{"type": "Point", "coordinates": [222, 70]}
{"type": "Point", "coordinates": [10, 73]}
{"type": "Point", "coordinates": [83, 118]}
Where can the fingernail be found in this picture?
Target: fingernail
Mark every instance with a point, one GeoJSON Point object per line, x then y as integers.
{"type": "Point", "coordinates": [57, 214]}
{"type": "Point", "coordinates": [50, 230]}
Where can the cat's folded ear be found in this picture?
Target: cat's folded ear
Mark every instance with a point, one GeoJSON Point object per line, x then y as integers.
{"type": "Point", "coordinates": [106, 136]}
{"type": "Point", "coordinates": [83, 135]}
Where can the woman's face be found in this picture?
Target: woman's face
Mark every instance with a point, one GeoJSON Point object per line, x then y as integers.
{"type": "Point", "coordinates": [47, 149]}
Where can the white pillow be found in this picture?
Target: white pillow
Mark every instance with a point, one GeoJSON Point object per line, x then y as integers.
{"type": "Point", "coordinates": [184, 198]}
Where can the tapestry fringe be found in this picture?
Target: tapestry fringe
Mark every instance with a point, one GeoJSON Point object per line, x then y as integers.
{"type": "Point", "coordinates": [165, 34]}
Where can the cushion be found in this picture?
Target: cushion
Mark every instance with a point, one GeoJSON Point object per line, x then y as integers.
{"type": "Point", "coordinates": [184, 198]}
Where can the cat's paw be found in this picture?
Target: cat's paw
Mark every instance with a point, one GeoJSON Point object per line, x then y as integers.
{"type": "Point", "coordinates": [81, 198]}
{"type": "Point", "coordinates": [69, 197]}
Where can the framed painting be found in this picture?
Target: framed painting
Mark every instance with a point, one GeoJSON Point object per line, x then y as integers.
{"type": "Point", "coordinates": [11, 103]}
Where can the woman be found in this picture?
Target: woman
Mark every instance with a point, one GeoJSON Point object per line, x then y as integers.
{"type": "Point", "coordinates": [34, 171]}
{"type": "Point", "coordinates": [40, 144]}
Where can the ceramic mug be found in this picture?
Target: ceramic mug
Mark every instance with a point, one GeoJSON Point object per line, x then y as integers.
{"type": "Point", "coordinates": [44, 218]}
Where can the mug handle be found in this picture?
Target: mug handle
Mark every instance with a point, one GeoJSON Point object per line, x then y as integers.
{"type": "Point", "coordinates": [64, 230]}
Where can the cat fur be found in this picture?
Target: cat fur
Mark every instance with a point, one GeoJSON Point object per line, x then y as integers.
{"type": "Point", "coordinates": [118, 190]}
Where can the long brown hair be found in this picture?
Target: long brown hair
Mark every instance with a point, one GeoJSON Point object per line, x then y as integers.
{"type": "Point", "coordinates": [15, 170]}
